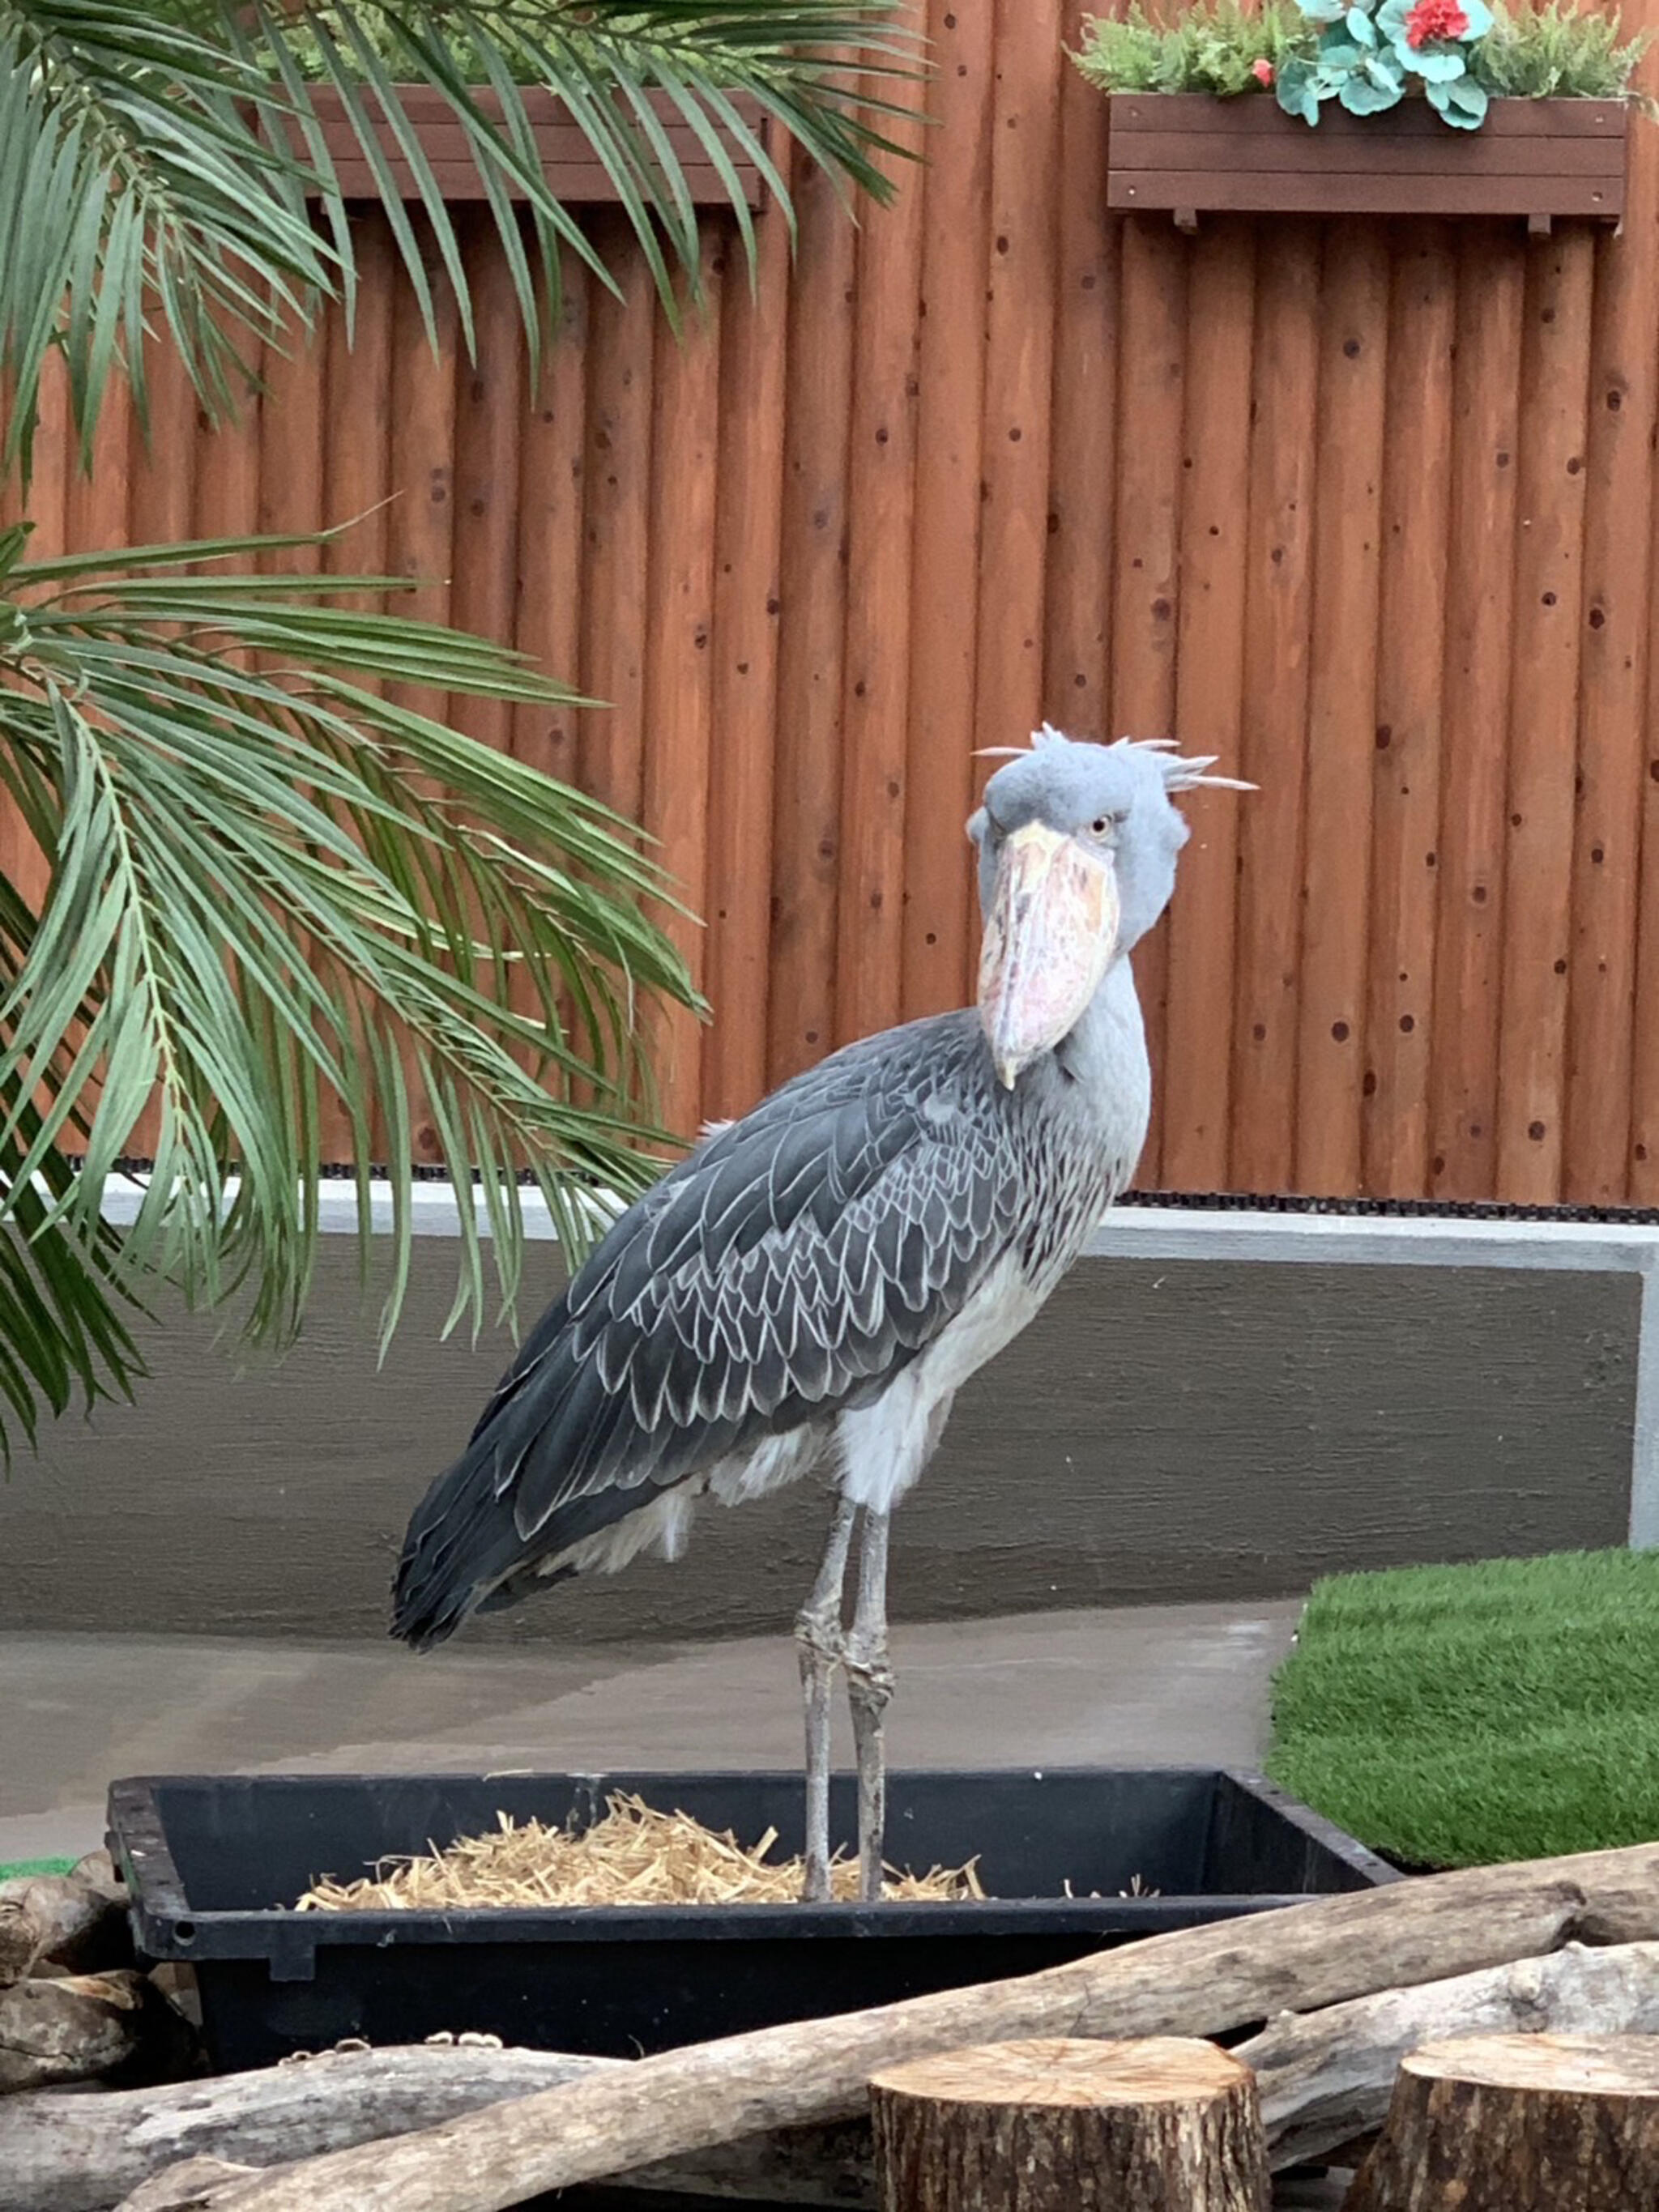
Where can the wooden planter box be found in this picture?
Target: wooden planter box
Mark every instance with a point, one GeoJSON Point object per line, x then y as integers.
{"type": "Point", "coordinates": [1188, 154]}
{"type": "Point", "coordinates": [573, 172]}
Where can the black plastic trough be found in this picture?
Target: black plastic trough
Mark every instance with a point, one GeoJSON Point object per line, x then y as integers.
{"type": "Point", "coordinates": [210, 1860]}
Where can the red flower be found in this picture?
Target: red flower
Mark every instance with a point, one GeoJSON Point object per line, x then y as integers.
{"type": "Point", "coordinates": [1435, 19]}
{"type": "Point", "coordinates": [1262, 70]}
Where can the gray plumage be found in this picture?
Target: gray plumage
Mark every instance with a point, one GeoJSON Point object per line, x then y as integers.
{"type": "Point", "coordinates": [856, 1245]}
{"type": "Point", "coordinates": [784, 1272]}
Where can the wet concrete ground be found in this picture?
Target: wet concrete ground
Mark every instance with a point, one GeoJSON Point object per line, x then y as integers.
{"type": "Point", "coordinates": [1158, 1685]}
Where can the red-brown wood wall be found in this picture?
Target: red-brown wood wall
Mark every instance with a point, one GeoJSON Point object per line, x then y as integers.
{"type": "Point", "coordinates": [1366, 507]}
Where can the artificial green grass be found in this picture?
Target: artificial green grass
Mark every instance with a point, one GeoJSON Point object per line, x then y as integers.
{"type": "Point", "coordinates": [10, 1870]}
{"type": "Point", "coordinates": [1459, 1716]}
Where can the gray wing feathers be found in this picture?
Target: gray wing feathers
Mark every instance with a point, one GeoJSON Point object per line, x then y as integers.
{"type": "Point", "coordinates": [788, 1268]}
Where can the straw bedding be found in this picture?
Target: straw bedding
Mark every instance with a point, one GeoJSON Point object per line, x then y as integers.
{"type": "Point", "coordinates": [636, 1854]}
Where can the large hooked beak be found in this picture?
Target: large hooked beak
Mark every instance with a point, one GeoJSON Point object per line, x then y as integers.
{"type": "Point", "coordinates": [1049, 937]}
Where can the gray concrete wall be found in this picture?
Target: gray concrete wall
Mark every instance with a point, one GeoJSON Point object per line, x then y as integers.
{"type": "Point", "coordinates": [1166, 1431]}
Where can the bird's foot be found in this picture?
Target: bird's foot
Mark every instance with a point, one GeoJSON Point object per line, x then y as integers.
{"type": "Point", "coordinates": [815, 1878]}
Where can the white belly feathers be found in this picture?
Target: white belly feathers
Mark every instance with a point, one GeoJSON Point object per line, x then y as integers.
{"type": "Point", "coordinates": [884, 1447]}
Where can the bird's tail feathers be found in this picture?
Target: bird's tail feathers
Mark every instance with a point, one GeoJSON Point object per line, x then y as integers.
{"type": "Point", "coordinates": [460, 1541]}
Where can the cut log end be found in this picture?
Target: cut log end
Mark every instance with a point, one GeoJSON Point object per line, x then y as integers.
{"type": "Point", "coordinates": [1063, 2125]}
{"type": "Point", "coordinates": [1561, 2065]}
{"type": "Point", "coordinates": [1519, 2123]}
{"type": "Point", "coordinates": [1068, 2070]}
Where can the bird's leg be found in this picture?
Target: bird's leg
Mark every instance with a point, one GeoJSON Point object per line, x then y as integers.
{"type": "Point", "coordinates": [820, 1643]}
{"type": "Point", "coordinates": [869, 1690]}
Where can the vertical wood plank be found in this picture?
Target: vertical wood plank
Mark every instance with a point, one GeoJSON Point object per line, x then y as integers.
{"type": "Point", "coordinates": [547, 624]}
{"type": "Point", "coordinates": [227, 500]}
{"type": "Point", "coordinates": [490, 404]}
{"type": "Point", "coordinates": [749, 506]}
{"type": "Point", "coordinates": [1153, 345]}
{"type": "Point", "coordinates": [876, 674]}
{"type": "Point", "coordinates": [161, 499]}
{"type": "Point", "coordinates": [357, 415]}
{"type": "Point", "coordinates": [1277, 622]}
{"type": "Point", "coordinates": [420, 528]}
{"type": "Point", "coordinates": [1082, 468]}
{"type": "Point", "coordinates": [1342, 734]}
{"type": "Point", "coordinates": [98, 499]}
{"type": "Point", "coordinates": [57, 461]}
{"type": "Point", "coordinates": [1018, 379]}
{"type": "Point", "coordinates": [801, 1011]}
{"type": "Point", "coordinates": [1209, 687]}
{"type": "Point", "coordinates": [1612, 691]}
{"type": "Point", "coordinates": [940, 934]}
{"type": "Point", "coordinates": [356, 481]}
{"type": "Point", "coordinates": [291, 429]}
{"type": "Point", "coordinates": [162, 478]}
{"type": "Point", "coordinates": [679, 681]}
{"type": "Point", "coordinates": [1479, 616]}
{"type": "Point", "coordinates": [616, 505]}
{"type": "Point", "coordinates": [548, 551]}
{"type": "Point", "coordinates": [1406, 792]}
{"type": "Point", "coordinates": [1643, 1172]}
{"type": "Point", "coordinates": [1549, 574]}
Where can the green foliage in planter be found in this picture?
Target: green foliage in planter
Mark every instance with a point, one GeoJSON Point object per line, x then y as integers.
{"type": "Point", "coordinates": [1554, 52]}
{"type": "Point", "coordinates": [1309, 53]}
{"type": "Point", "coordinates": [1215, 47]}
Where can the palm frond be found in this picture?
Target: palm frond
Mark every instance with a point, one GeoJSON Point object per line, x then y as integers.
{"type": "Point", "coordinates": [134, 177]}
{"type": "Point", "coordinates": [157, 167]}
{"type": "Point", "coordinates": [276, 897]}
{"type": "Point", "coordinates": [63, 1313]}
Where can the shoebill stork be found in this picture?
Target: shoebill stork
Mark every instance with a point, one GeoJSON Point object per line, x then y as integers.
{"type": "Point", "coordinates": [810, 1288]}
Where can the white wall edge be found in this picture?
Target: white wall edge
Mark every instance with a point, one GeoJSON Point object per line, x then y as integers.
{"type": "Point", "coordinates": [1131, 1232]}
{"type": "Point", "coordinates": [1372, 1240]}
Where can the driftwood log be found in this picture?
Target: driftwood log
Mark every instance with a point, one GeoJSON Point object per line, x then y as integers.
{"type": "Point", "coordinates": [84, 2153]}
{"type": "Point", "coordinates": [75, 1921]}
{"type": "Point", "coordinates": [182, 2188]}
{"type": "Point", "coordinates": [1167, 2124]}
{"type": "Point", "coordinates": [1200, 1981]}
{"type": "Point", "coordinates": [71, 2028]}
{"type": "Point", "coordinates": [1326, 2077]}
{"type": "Point", "coordinates": [1519, 2123]}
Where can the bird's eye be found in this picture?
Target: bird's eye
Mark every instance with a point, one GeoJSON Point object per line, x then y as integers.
{"type": "Point", "coordinates": [1104, 823]}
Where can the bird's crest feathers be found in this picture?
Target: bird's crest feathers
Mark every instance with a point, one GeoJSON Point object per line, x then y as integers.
{"type": "Point", "coordinates": [1180, 773]}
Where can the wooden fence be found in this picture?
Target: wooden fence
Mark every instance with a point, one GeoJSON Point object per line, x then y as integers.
{"type": "Point", "coordinates": [1364, 507]}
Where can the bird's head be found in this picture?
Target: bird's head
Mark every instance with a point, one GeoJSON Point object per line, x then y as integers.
{"type": "Point", "coordinates": [1077, 860]}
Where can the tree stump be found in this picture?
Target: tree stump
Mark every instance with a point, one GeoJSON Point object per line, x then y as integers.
{"type": "Point", "coordinates": [1067, 2126]}
{"type": "Point", "coordinates": [1519, 2123]}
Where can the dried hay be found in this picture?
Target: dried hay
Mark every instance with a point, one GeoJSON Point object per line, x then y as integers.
{"type": "Point", "coordinates": [635, 1856]}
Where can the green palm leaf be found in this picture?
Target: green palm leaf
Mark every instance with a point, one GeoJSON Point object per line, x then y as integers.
{"type": "Point", "coordinates": [161, 169]}
{"type": "Point", "coordinates": [260, 912]}
{"type": "Point", "coordinates": [280, 902]}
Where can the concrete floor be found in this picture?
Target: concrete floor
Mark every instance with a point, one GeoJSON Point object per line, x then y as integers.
{"type": "Point", "coordinates": [1156, 1685]}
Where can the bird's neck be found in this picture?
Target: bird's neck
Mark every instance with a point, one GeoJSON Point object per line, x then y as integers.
{"type": "Point", "coordinates": [1106, 1048]}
